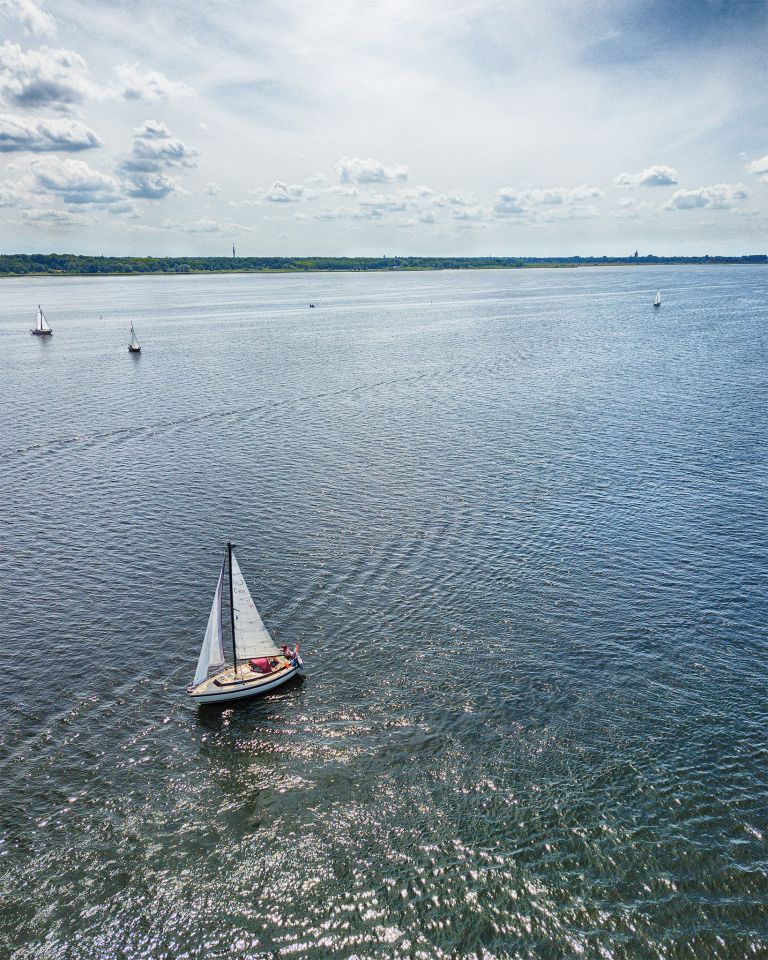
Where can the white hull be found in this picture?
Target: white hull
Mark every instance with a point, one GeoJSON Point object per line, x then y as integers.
{"type": "Point", "coordinates": [253, 685]}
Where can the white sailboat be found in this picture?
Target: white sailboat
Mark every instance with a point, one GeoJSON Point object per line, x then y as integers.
{"type": "Point", "coordinates": [42, 327]}
{"type": "Point", "coordinates": [258, 665]}
{"type": "Point", "coordinates": [134, 346]}
{"type": "Point", "coordinates": [657, 299]}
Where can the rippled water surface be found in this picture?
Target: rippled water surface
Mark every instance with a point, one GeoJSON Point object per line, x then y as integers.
{"type": "Point", "coordinates": [517, 521]}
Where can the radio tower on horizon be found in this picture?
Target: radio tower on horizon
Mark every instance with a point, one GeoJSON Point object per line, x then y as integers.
{"type": "Point", "coordinates": [233, 251]}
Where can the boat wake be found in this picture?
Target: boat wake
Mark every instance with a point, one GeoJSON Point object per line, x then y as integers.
{"type": "Point", "coordinates": [56, 444]}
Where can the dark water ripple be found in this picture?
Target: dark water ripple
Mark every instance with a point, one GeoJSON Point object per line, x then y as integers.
{"type": "Point", "coordinates": [518, 522]}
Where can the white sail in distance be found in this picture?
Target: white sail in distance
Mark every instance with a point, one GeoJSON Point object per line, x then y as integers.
{"type": "Point", "coordinates": [134, 338]}
{"type": "Point", "coordinates": [212, 650]}
{"type": "Point", "coordinates": [42, 323]}
{"type": "Point", "coordinates": [252, 638]}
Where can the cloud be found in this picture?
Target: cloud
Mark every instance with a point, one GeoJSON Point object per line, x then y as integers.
{"type": "Point", "coordinates": [54, 218]}
{"type": "Point", "coordinates": [75, 182]}
{"type": "Point", "coordinates": [339, 213]}
{"type": "Point", "coordinates": [9, 194]}
{"type": "Point", "coordinates": [149, 86]}
{"type": "Point", "coordinates": [342, 191]}
{"type": "Point", "coordinates": [154, 151]}
{"type": "Point", "coordinates": [759, 168]}
{"type": "Point", "coordinates": [419, 192]}
{"type": "Point", "coordinates": [539, 204]}
{"type": "Point", "coordinates": [281, 192]}
{"type": "Point", "coordinates": [719, 197]}
{"type": "Point", "coordinates": [150, 186]}
{"type": "Point", "coordinates": [585, 194]}
{"type": "Point", "coordinates": [212, 189]}
{"type": "Point", "coordinates": [631, 209]}
{"type": "Point", "coordinates": [424, 194]}
{"type": "Point", "coordinates": [383, 203]}
{"type": "Point", "coordinates": [355, 170]}
{"type": "Point", "coordinates": [203, 226]}
{"type": "Point", "coordinates": [508, 203]}
{"type": "Point", "coordinates": [41, 136]}
{"type": "Point", "coordinates": [468, 213]}
{"type": "Point", "coordinates": [34, 20]}
{"type": "Point", "coordinates": [43, 78]}
{"type": "Point", "coordinates": [658, 175]}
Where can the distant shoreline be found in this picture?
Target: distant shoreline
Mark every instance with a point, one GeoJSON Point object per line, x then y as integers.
{"type": "Point", "coordinates": [71, 265]}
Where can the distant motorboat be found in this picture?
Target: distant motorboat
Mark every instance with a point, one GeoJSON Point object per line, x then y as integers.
{"type": "Point", "coordinates": [42, 327]}
{"type": "Point", "coordinates": [134, 346]}
{"type": "Point", "coordinates": [657, 299]}
{"type": "Point", "coordinates": [312, 306]}
{"type": "Point", "coordinates": [258, 666]}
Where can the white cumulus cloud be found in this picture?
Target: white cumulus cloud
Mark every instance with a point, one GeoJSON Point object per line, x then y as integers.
{"type": "Point", "coordinates": [281, 192]}
{"type": "Point", "coordinates": [134, 83]}
{"type": "Point", "coordinates": [508, 203]}
{"type": "Point", "coordinates": [43, 78]}
{"type": "Point", "coordinates": [75, 182]}
{"type": "Point", "coordinates": [52, 217]}
{"type": "Point", "coordinates": [719, 197]}
{"type": "Point", "coordinates": [33, 19]}
{"type": "Point", "coordinates": [41, 136]}
{"type": "Point", "coordinates": [355, 170]}
{"type": "Point", "coordinates": [511, 202]}
{"type": "Point", "coordinates": [153, 153]}
{"type": "Point", "coordinates": [759, 168]}
{"type": "Point", "coordinates": [658, 175]}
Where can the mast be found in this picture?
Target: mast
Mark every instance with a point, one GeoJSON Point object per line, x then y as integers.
{"type": "Point", "coordinates": [232, 604]}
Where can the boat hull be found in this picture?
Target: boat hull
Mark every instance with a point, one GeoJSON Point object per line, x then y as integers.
{"type": "Point", "coordinates": [257, 686]}
{"type": "Point", "coordinates": [134, 349]}
{"type": "Point", "coordinates": [41, 333]}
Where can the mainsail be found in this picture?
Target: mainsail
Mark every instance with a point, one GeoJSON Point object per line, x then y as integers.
{"type": "Point", "coordinates": [251, 636]}
{"type": "Point", "coordinates": [212, 651]}
{"type": "Point", "coordinates": [657, 299]}
{"type": "Point", "coordinates": [134, 338]}
{"type": "Point", "coordinates": [42, 323]}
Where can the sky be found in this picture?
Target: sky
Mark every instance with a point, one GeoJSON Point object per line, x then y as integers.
{"type": "Point", "coordinates": [398, 127]}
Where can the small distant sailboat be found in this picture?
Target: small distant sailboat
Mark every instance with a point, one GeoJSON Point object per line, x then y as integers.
{"type": "Point", "coordinates": [657, 299]}
{"type": "Point", "coordinates": [42, 327]}
{"type": "Point", "coordinates": [134, 346]}
{"type": "Point", "coordinates": [311, 306]}
{"type": "Point", "coordinates": [258, 665]}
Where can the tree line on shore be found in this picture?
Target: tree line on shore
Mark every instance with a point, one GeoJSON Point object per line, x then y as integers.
{"type": "Point", "coordinates": [66, 263]}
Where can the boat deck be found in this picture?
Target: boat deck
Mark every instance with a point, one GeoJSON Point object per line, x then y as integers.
{"type": "Point", "coordinates": [244, 676]}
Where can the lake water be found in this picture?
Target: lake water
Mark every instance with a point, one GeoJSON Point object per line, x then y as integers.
{"type": "Point", "coordinates": [518, 521]}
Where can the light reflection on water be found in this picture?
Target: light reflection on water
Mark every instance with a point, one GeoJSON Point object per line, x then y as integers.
{"type": "Point", "coordinates": [516, 519]}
